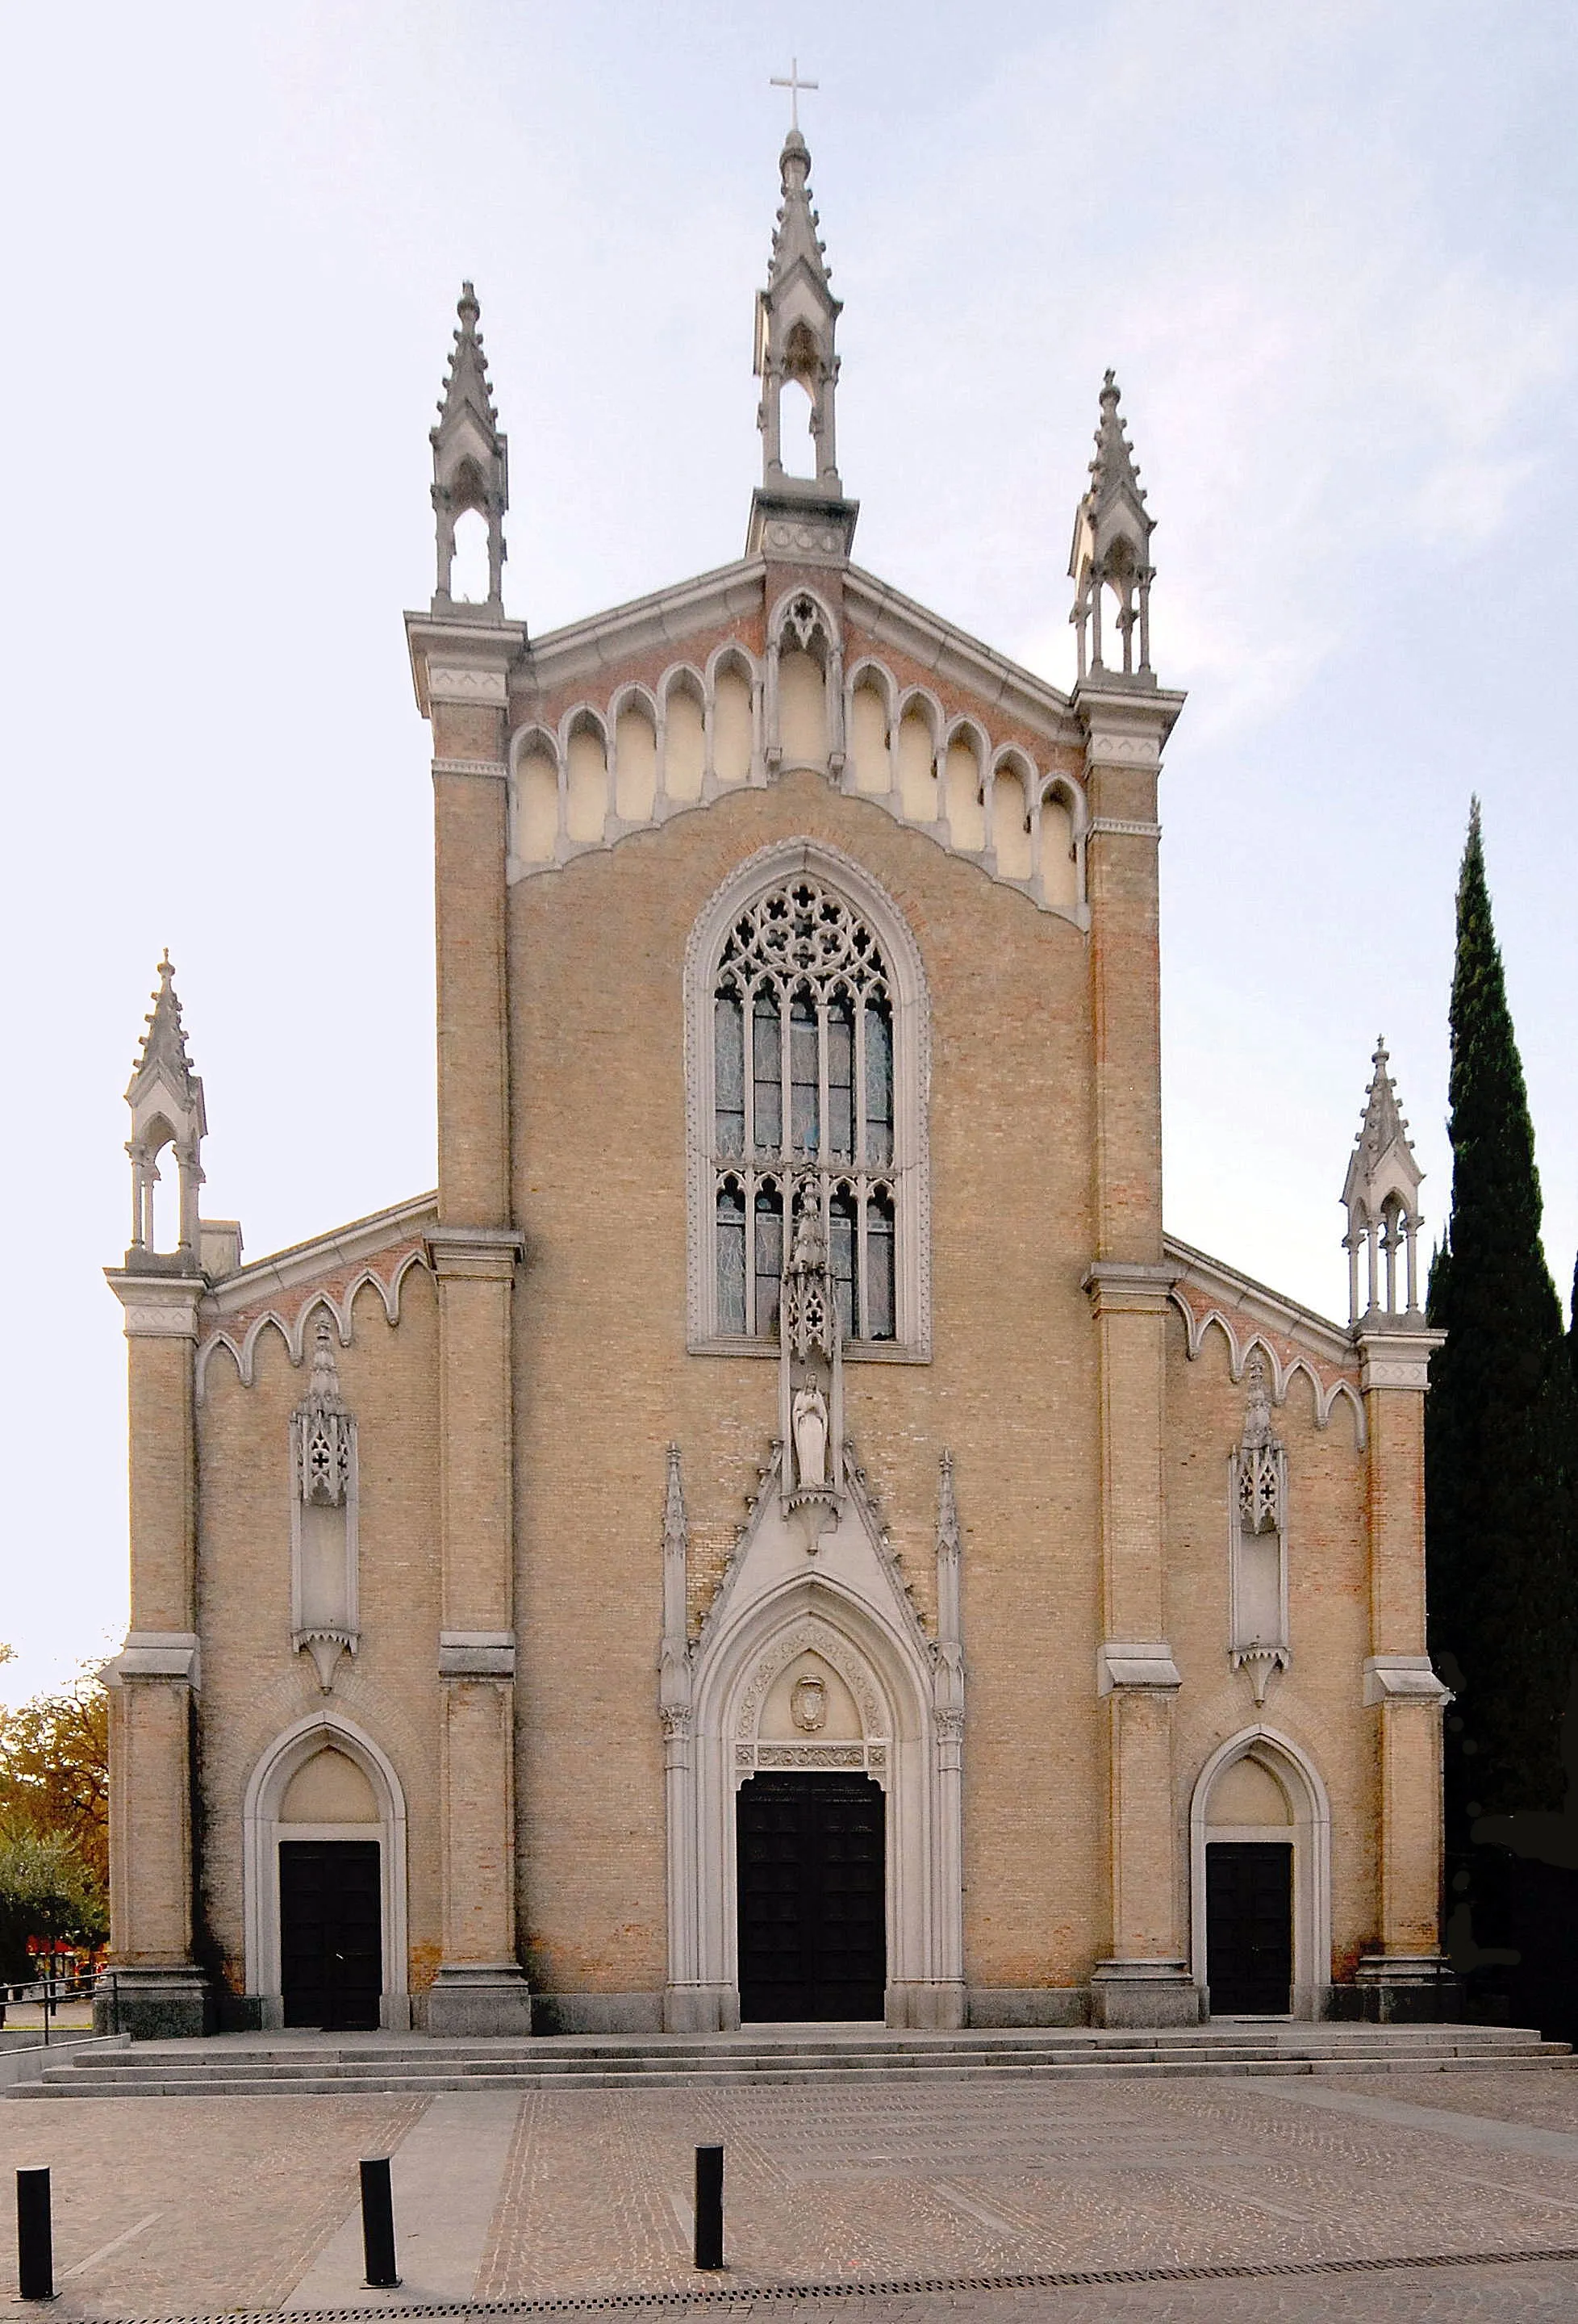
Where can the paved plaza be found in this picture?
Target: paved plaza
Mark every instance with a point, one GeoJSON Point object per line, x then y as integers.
{"type": "Point", "coordinates": [197, 2207]}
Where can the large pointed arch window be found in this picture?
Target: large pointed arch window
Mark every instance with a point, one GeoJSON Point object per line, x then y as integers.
{"type": "Point", "coordinates": [813, 1058]}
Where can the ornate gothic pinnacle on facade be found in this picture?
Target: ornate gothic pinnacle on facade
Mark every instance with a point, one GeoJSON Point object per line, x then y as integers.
{"type": "Point", "coordinates": [795, 513]}
{"type": "Point", "coordinates": [163, 1052]}
{"type": "Point", "coordinates": [1381, 1195]}
{"type": "Point", "coordinates": [470, 460]}
{"type": "Point", "coordinates": [796, 235]}
{"type": "Point", "coordinates": [323, 1387]}
{"type": "Point", "coordinates": [1110, 560]}
{"type": "Point", "coordinates": [675, 1524]}
{"type": "Point", "coordinates": [466, 386]}
{"type": "Point", "coordinates": [947, 1533]}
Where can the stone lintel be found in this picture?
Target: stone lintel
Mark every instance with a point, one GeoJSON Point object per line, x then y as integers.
{"type": "Point", "coordinates": [157, 1307]}
{"type": "Point", "coordinates": [156, 1654]}
{"type": "Point", "coordinates": [1408, 1678]}
{"type": "Point", "coordinates": [1395, 1354]}
{"type": "Point", "coordinates": [1121, 1286]}
{"type": "Point", "coordinates": [489, 1254]}
{"type": "Point", "coordinates": [476, 1653]}
{"type": "Point", "coordinates": [1122, 1666]}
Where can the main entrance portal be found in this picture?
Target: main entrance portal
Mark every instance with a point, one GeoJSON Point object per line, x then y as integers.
{"type": "Point", "coordinates": [331, 1937]}
{"type": "Point", "coordinates": [812, 1888]}
{"type": "Point", "coordinates": [1249, 1927]}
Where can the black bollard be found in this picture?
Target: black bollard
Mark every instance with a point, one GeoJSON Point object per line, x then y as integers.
{"type": "Point", "coordinates": [378, 2244]}
{"type": "Point", "coordinates": [35, 2256]}
{"type": "Point", "coordinates": [709, 2207]}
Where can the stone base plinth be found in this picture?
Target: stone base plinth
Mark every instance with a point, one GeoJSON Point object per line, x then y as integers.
{"type": "Point", "coordinates": [701, 2008]}
{"type": "Point", "coordinates": [1027, 2004]}
{"type": "Point", "coordinates": [154, 2005]}
{"type": "Point", "coordinates": [493, 1998]}
{"type": "Point", "coordinates": [931, 2006]}
{"type": "Point", "coordinates": [1406, 1990]}
{"type": "Point", "coordinates": [1143, 1992]}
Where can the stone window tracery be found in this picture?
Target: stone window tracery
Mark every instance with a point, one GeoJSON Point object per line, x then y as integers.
{"type": "Point", "coordinates": [802, 968]}
{"type": "Point", "coordinates": [807, 1062]}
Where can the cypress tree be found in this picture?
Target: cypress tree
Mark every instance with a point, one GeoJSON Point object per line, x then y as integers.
{"type": "Point", "coordinates": [1500, 1431]}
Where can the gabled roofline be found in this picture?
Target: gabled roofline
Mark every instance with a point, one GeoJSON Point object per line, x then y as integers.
{"type": "Point", "coordinates": [303, 1263]}
{"type": "Point", "coordinates": [668, 616]}
{"type": "Point", "coordinates": [1225, 1286]}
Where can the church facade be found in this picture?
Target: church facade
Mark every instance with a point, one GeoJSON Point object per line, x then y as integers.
{"type": "Point", "coordinates": [783, 1533]}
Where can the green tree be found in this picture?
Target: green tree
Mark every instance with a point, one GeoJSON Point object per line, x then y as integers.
{"type": "Point", "coordinates": [47, 1893]}
{"type": "Point", "coordinates": [54, 1769]}
{"type": "Point", "coordinates": [1500, 1431]}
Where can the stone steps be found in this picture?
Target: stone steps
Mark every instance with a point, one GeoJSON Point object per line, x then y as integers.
{"type": "Point", "coordinates": [251, 2066]}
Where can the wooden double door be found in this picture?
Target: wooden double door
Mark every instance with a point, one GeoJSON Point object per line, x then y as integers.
{"type": "Point", "coordinates": [811, 1891]}
{"type": "Point", "coordinates": [331, 1933]}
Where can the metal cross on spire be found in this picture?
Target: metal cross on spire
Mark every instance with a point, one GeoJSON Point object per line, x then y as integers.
{"type": "Point", "coordinates": [794, 84]}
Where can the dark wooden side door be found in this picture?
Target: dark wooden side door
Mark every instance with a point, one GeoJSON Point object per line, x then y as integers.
{"type": "Point", "coordinates": [812, 1889]}
{"type": "Point", "coordinates": [1249, 1927]}
{"type": "Point", "coordinates": [331, 1933]}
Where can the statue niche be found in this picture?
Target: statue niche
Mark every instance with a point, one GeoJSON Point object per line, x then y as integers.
{"type": "Point", "coordinates": [810, 1370]}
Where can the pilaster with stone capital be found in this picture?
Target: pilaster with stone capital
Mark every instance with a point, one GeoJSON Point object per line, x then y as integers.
{"type": "Point", "coordinates": [153, 1681]}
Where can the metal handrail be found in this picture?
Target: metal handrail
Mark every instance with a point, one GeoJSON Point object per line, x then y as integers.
{"type": "Point", "coordinates": [51, 1991]}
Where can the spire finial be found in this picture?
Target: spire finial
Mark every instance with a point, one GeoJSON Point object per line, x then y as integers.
{"type": "Point", "coordinates": [794, 84]}
{"type": "Point", "coordinates": [166, 1099]}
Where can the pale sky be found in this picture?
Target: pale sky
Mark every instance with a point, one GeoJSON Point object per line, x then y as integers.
{"type": "Point", "coordinates": [1330, 251]}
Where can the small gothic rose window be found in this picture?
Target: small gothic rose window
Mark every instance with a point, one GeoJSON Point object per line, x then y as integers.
{"type": "Point", "coordinates": [804, 975]}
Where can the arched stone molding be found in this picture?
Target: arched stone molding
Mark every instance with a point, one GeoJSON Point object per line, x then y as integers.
{"type": "Point", "coordinates": [294, 1329]}
{"type": "Point", "coordinates": [1198, 1322]}
{"type": "Point", "coordinates": [836, 1613]}
{"type": "Point", "coordinates": [1310, 1822]}
{"type": "Point", "coordinates": [767, 758]}
{"type": "Point", "coordinates": [261, 1832]}
{"type": "Point", "coordinates": [913, 1077]}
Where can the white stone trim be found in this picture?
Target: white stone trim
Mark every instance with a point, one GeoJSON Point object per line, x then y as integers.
{"type": "Point", "coordinates": [911, 1006]}
{"type": "Point", "coordinates": [1408, 1678]}
{"type": "Point", "coordinates": [157, 1654]}
{"type": "Point", "coordinates": [448, 682]}
{"type": "Point", "coordinates": [1119, 1667]}
{"type": "Point", "coordinates": [1115, 826]}
{"type": "Point", "coordinates": [1311, 1834]}
{"type": "Point", "coordinates": [339, 1307]}
{"type": "Point", "coordinates": [494, 770]}
{"type": "Point", "coordinates": [476, 1653]}
{"type": "Point", "coordinates": [261, 1832]}
{"type": "Point", "coordinates": [1395, 1359]}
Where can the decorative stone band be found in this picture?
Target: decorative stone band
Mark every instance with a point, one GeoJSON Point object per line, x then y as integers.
{"type": "Point", "coordinates": [491, 1252]}
{"type": "Point", "coordinates": [490, 769]}
{"type": "Point", "coordinates": [1122, 1666]}
{"type": "Point", "coordinates": [447, 683]}
{"type": "Point", "coordinates": [1395, 1359]}
{"type": "Point", "coordinates": [1123, 746]}
{"type": "Point", "coordinates": [156, 1654]}
{"type": "Point", "coordinates": [157, 1308]}
{"type": "Point", "coordinates": [476, 1653]}
{"type": "Point", "coordinates": [1120, 1286]}
{"type": "Point", "coordinates": [1115, 825]}
{"type": "Point", "coordinates": [1393, 1678]}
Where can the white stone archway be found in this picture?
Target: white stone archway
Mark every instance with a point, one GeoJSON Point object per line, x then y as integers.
{"type": "Point", "coordinates": [262, 1830]}
{"type": "Point", "coordinates": [1309, 1823]}
{"type": "Point", "coordinates": [775, 1612]}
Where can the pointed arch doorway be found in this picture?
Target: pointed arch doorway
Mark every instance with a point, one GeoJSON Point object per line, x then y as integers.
{"type": "Point", "coordinates": [324, 1830]}
{"type": "Point", "coordinates": [1259, 1835]}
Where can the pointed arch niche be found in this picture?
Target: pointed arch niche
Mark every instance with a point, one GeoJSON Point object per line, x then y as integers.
{"type": "Point", "coordinates": [328, 1802]}
{"type": "Point", "coordinates": [1259, 1786]}
{"type": "Point", "coordinates": [776, 1627]}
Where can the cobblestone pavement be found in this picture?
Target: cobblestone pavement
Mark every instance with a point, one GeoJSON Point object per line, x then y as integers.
{"type": "Point", "coordinates": [192, 2206]}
